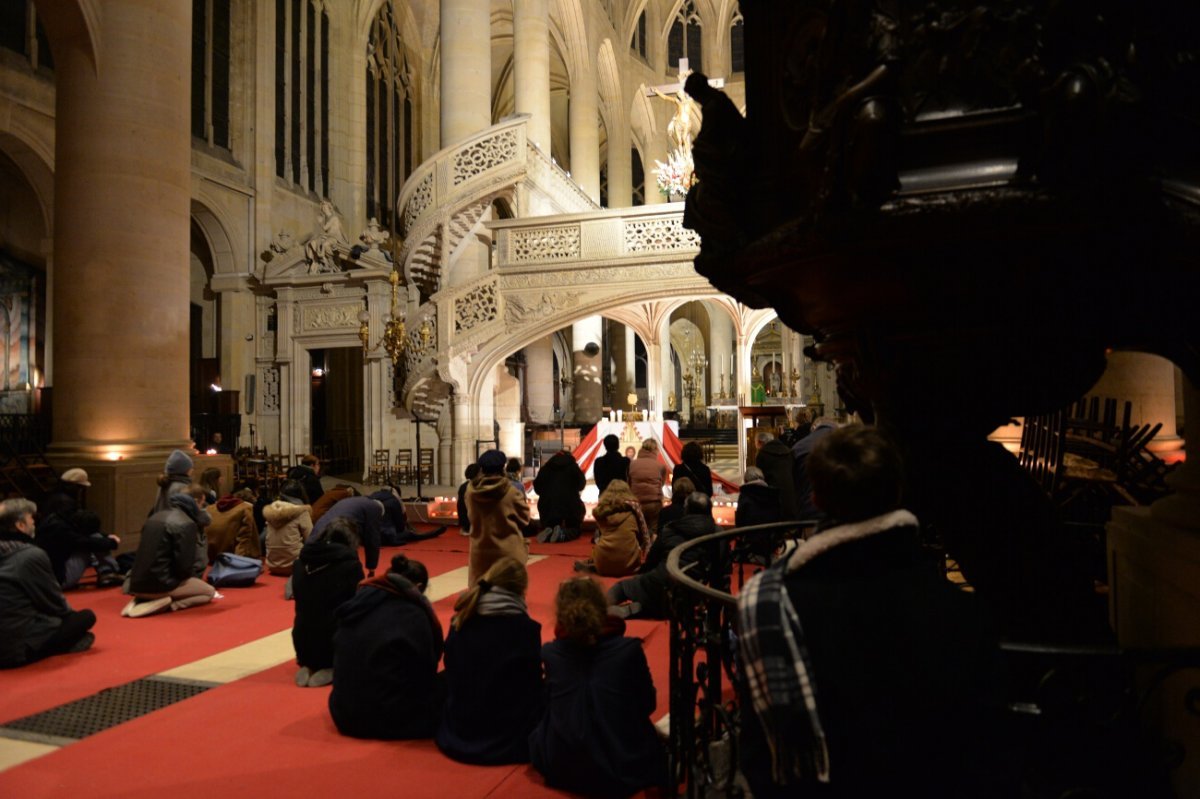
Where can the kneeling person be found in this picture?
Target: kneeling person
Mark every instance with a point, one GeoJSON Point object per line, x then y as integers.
{"type": "Point", "coordinates": [171, 557]}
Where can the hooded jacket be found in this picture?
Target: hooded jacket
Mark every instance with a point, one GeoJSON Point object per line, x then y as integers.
{"type": "Point", "coordinates": [618, 551]}
{"type": "Point", "coordinates": [775, 460]}
{"type": "Point", "coordinates": [232, 529]}
{"type": "Point", "coordinates": [649, 586]}
{"type": "Point", "coordinates": [324, 576]}
{"type": "Point", "coordinates": [168, 549]}
{"type": "Point", "coordinates": [498, 514]}
{"type": "Point", "coordinates": [32, 601]}
{"type": "Point", "coordinates": [307, 477]}
{"type": "Point", "coordinates": [288, 525]}
{"type": "Point", "coordinates": [386, 654]}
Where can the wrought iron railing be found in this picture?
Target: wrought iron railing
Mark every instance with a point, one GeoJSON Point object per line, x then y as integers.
{"type": "Point", "coordinates": [1080, 721]}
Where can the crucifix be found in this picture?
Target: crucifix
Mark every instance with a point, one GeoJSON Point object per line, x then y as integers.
{"type": "Point", "coordinates": [686, 122]}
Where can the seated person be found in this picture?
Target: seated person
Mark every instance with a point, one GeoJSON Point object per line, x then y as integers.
{"type": "Point", "coordinates": [288, 524]}
{"type": "Point", "coordinates": [512, 470]}
{"type": "Point", "coordinates": [499, 515]}
{"type": "Point", "coordinates": [210, 478]}
{"type": "Point", "coordinates": [896, 656]}
{"type": "Point", "coordinates": [367, 515]}
{"type": "Point", "coordinates": [171, 558]}
{"type": "Point", "coordinates": [232, 528]}
{"type": "Point", "coordinates": [326, 574]}
{"type": "Point", "coordinates": [308, 474]}
{"type": "Point", "coordinates": [71, 535]}
{"type": "Point", "coordinates": [596, 737]}
{"type": "Point", "coordinates": [646, 592]}
{"type": "Point", "coordinates": [612, 465]}
{"type": "Point", "coordinates": [558, 485]}
{"type": "Point", "coordinates": [623, 538]}
{"type": "Point", "coordinates": [692, 466]}
{"type": "Point", "coordinates": [681, 489]}
{"type": "Point", "coordinates": [35, 619]}
{"type": "Point", "coordinates": [758, 503]}
{"type": "Point", "coordinates": [394, 529]}
{"type": "Point", "coordinates": [494, 691]}
{"type": "Point", "coordinates": [385, 662]}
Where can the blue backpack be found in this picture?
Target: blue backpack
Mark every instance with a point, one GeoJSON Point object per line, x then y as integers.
{"type": "Point", "coordinates": [234, 571]}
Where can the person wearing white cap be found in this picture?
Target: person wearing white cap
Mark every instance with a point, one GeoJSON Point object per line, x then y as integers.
{"type": "Point", "coordinates": [71, 535]}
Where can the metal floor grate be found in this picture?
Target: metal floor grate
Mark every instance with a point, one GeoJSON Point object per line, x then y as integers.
{"type": "Point", "coordinates": [112, 706]}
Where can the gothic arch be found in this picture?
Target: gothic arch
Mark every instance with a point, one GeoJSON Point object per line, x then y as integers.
{"type": "Point", "coordinates": [71, 22]}
{"type": "Point", "coordinates": [29, 157]}
{"type": "Point", "coordinates": [216, 236]}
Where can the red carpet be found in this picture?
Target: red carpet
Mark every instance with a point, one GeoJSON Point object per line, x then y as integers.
{"type": "Point", "coordinates": [259, 736]}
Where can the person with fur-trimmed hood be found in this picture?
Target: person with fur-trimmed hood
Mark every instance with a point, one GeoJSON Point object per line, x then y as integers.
{"type": "Point", "coordinates": [860, 658]}
{"type": "Point", "coordinates": [499, 513]}
{"type": "Point", "coordinates": [288, 523]}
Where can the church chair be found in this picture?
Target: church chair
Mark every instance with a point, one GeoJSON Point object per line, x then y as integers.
{"type": "Point", "coordinates": [425, 464]}
{"type": "Point", "coordinates": [379, 472]}
{"type": "Point", "coordinates": [402, 471]}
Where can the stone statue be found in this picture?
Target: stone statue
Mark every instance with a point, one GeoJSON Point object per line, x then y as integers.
{"type": "Point", "coordinates": [686, 121]}
{"type": "Point", "coordinates": [374, 237]}
{"type": "Point", "coordinates": [321, 247]}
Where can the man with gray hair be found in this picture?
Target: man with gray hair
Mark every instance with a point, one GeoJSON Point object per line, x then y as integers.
{"type": "Point", "coordinates": [774, 458]}
{"type": "Point", "coordinates": [35, 619]}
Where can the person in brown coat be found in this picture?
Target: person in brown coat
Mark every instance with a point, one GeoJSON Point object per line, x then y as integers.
{"type": "Point", "coordinates": [647, 476]}
{"type": "Point", "coordinates": [623, 533]}
{"type": "Point", "coordinates": [232, 528]}
{"type": "Point", "coordinates": [498, 513]}
{"type": "Point", "coordinates": [289, 521]}
{"type": "Point", "coordinates": [329, 498]}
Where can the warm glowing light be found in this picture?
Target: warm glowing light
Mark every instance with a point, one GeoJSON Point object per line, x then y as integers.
{"type": "Point", "coordinates": [113, 456]}
{"type": "Point", "coordinates": [210, 451]}
{"type": "Point", "coordinates": [318, 372]}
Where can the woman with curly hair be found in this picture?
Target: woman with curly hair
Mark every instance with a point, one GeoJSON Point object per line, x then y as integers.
{"type": "Point", "coordinates": [494, 691]}
{"type": "Point", "coordinates": [596, 737]}
{"type": "Point", "coordinates": [623, 534]}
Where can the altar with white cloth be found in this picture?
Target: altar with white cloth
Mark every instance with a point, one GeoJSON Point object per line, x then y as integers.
{"type": "Point", "coordinates": [631, 433]}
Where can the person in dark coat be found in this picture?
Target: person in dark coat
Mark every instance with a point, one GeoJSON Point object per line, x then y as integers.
{"type": "Point", "coordinates": [494, 689]}
{"type": "Point", "coordinates": [612, 465]}
{"type": "Point", "coordinates": [367, 515]}
{"type": "Point", "coordinates": [176, 477]}
{"type": "Point", "coordinates": [308, 474]}
{"type": "Point", "coordinates": [464, 517]}
{"type": "Point", "coordinates": [681, 489]}
{"type": "Point", "coordinates": [805, 507]}
{"type": "Point", "coordinates": [758, 503]}
{"type": "Point", "coordinates": [35, 619]}
{"type": "Point", "coordinates": [385, 661]}
{"type": "Point", "coordinates": [326, 574]}
{"type": "Point", "coordinates": [646, 592]}
{"type": "Point", "coordinates": [71, 535]}
{"type": "Point", "coordinates": [558, 485]}
{"type": "Point", "coordinates": [898, 659]}
{"type": "Point", "coordinates": [172, 555]}
{"type": "Point", "coordinates": [692, 466]}
{"type": "Point", "coordinates": [774, 458]}
{"type": "Point", "coordinates": [596, 737]}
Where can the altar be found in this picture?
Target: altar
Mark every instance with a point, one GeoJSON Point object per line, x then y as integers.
{"type": "Point", "coordinates": [631, 433]}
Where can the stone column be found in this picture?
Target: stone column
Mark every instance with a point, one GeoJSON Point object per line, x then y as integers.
{"type": "Point", "coordinates": [531, 68]}
{"type": "Point", "coordinates": [620, 168]}
{"type": "Point", "coordinates": [466, 53]}
{"type": "Point", "coordinates": [584, 123]}
{"type": "Point", "coordinates": [1148, 382]}
{"type": "Point", "coordinates": [624, 359]}
{"type": "Point", "coordinates": [588, 393]}
{"type": "Point", "coordinates": [539, 380]}
{"type": "Point", "coordinates": [122, 183]}
{"type": "Point", "coordinates": [721, 346]}
{"type": "Point", "coordinates": [464, 434]}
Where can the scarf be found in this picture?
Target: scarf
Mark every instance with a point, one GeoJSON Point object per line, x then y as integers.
{"type": "Point", "coordinates": [776, 660]}
{"type": "Point", "coordinates": [500, 602]}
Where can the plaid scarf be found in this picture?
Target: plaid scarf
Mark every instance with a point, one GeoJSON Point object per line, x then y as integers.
{"type": "Point", "coordinates": [776, 660]}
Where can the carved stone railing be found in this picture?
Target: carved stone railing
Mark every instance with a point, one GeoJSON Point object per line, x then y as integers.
{"type": "Point", "coordinates": [459, 182]}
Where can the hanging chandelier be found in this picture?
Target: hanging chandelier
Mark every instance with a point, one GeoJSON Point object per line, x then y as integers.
{"type": "Point", "coordinates": [393, 340]}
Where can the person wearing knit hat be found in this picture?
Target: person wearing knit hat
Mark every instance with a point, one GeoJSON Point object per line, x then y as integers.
{"type": "Point", "coordinates": [498, 513]}
{"type": "Point", "coordinates": [176, 477]}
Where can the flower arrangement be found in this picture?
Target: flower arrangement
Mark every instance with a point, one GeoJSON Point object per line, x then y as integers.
{"type": "Point", "coordinates": [676, 176]}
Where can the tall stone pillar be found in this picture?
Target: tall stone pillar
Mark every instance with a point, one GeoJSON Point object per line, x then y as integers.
{"type": "Point", "coordinates": [625, 359]}
{"type": "Point", "coordinates": [620, 168]}
{"type": "Point", "coordinates": [466, 52]}
{"type": "Point", "coordinates": [584, 123]}
{"type": "Point", "coordinates": [531, 67]}
{"type": "Point", "coordinates": [464, 434]}
{"type": "Point", "coordinates": [1148, 382]}
{"type": "Point", "coordinates": [539, 381]}
{"type": "Point", "coordinates": [720, 369]}
{"type": "Point", "coordinates": [122, 183]}
{"type": "Point", "coordinates": [588, 392]}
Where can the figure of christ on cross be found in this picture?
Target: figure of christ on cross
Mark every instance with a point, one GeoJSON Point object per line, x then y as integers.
{"type": "Point", "coordinates": [685, 123]}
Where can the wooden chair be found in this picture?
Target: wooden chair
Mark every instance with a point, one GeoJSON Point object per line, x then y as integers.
{"type": "Point", "coordinates": [402, 471]}
{"type": "Point", "coordinates": [425, 464]}
{"type": "Point", "coordinates": [379, 472]}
